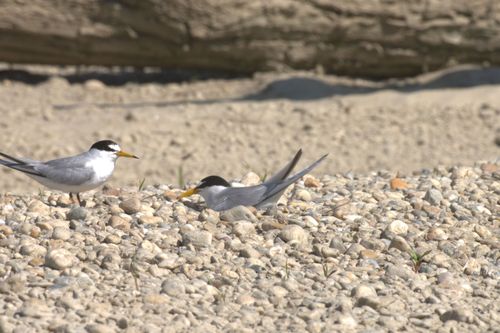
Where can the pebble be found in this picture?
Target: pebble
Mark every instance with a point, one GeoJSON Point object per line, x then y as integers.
{"type": "Point", "coordinates": [278, 291]}
{"type": "Point", "coordinates": [398, 184]}
{"type": "Point", "coordinates": [237, 214]}
{"type": "Point", "coordinates": [245, 299]}
{"type": "Point", "coordinates": [59, 259]}
{"type": "Point", "coordinates": [460, 315]}
{"type": "Point", "coordinates": [197, 238]}
{"type": "Point", "coordinates": [399, 271]}
{"type": "Point", "coordinates": [347, 321]}
{"type": "Point", "coordinates": [5, 231]}
{"type": "Point", "coordinates": [33, 250]}
{"type": "Point", "coordinates": [310, 221]}
{"type": "Point", "coordinates": [472, 266]}
{"type": "Point", "coordinates": [342, 211]}
{"type": "Point", "coordinates": [148, 219]}
{"type": "Point", "coordinates": [398, 227]}
{"type": "Point", "coordinates": [131, 206]}
{"type": "Point", "coordinates": [62, 233]}
{"type": "Point", "coordinates": [77, 213]}
{"type": "Point", "coordinates": [433, 197]}
{"type": "Point", "coordinates": [119, 223]}
{"type": "Point", "coordinates": [369, 254]}
{"type": "Point", "coordinates": [294, 233]}
{"type": "Point", "coordinates": [482, 231]}
{"type": "Point", "coordinates": [436, 233]}
{"type": "Point", "coordinates": [311, 181]}
{"type": "Point", "coordinates": [354, 250]}
{"type": "Point", "coordinates": [338, 244]}
{"type": "Point", "coordinates": [249, 252]}
{"type": "Point", "coordinates": [243, 228]}
{"type": "Point", "coordinates": [400, 243]}
{"type": "Point", "coordinates": [36, 206]}
{"type": "Point", "coordinates": [173, 287]}
{"type": "Point", "coordinates": [363, 291]}
{"type": "Point", "coordinates": [303, 195]}
{"type": "Point", "coordinates": [244, 271]}
{"type": "Point", "coordinates": [99, 328]}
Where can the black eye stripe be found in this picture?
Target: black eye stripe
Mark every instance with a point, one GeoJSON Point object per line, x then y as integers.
{"type": "Point", "coordinates": [213, 181]}
{"type": "Point", "coordinates": [105, 145]}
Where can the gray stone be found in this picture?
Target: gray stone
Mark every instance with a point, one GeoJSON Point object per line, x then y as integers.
{"type": "Point", "coordinates": [460, 315]}
{"type": "Point", "coordinates": [173, 287]}
{"type": "Point", "coordinates": [99, 328]}
{"type": "Point", "coordinates": [371, 301]}
{"type": "Point", "coordinates": [197, 238]}
{"type": "Point", "coordinates": [433, 197]}
{"type": "Point", "coordinates": [399, 271]}
{"type": "Point", "coordinates": [336, 243]}
{"type": "Point", "coordinates": [77, 213]}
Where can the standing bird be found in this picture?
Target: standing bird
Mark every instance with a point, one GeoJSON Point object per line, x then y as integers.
{"type": "Point", "coordinates": [72, 174]}
{"type": "Point", "coordinates": [219, 195]}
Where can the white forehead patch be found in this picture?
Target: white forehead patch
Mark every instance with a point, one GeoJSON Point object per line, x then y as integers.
{"type": "Point", "coordinates": [115, 147]}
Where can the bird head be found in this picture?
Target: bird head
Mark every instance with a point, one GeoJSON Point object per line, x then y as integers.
{"type": "Point", "coordinates": [111, 148]}
{"type": "Point", "coordinates": [207, 184]}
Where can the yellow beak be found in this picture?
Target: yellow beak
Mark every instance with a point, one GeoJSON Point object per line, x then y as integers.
{"type": "Point", "coordinates": [121, 153]}
{"type": "Point", "coordinates": [188, 193]}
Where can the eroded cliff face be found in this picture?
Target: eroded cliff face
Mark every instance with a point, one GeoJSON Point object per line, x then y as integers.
{"type": "Point", "coordinates": [376, 39]}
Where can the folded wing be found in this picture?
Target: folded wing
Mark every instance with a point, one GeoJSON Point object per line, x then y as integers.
{"type": "Point", "coordinates": [283, 173]}
{"type": "Point", "coordinates": [273, 191]}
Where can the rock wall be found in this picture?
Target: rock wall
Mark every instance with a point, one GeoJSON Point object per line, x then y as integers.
{"type": "Point", "coordinates": [376, 39]}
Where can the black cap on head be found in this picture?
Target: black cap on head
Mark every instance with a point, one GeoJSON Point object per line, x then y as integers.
{"type": "Point", "coordinates": [106, 145]}
{"type": "Point", "coordinates": [213, 181]}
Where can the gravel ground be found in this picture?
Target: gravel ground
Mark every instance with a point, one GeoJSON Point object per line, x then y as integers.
{"type": "Point", "coordinates": [336, 257]}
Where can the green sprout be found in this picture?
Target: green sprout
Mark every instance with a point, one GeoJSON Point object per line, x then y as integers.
{"type": "Point", "coordinates": [417, 259]}
{"type": "Point", "coordinates": [180, 176]}
{"type": "Point", "coordinates": [287, 270]}
{"type": "Point", "coordinates": [327, 271]}
{"type": "Point", "coordinates": [141, 184]}
{"type": "Point", "coordinates": [263, 177]}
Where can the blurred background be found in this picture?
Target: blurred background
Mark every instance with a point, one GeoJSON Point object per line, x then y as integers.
{"type": "Point", "coordinates": [227, 87]}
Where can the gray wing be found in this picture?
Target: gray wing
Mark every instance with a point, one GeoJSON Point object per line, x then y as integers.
{"type": "Point", "coordinates": [21, 164]}
{"type": "Point", "coordinates": [236, 196]}
{"type": "Point", "coordinates": [68, 170]}
{"type": "Point", "coordinates": [275, 189]}
{"type": "Point", "coordinates": [283, 173]}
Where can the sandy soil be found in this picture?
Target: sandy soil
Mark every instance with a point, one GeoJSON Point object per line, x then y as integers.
{"type": "Point", "coordinates": [231, 126]}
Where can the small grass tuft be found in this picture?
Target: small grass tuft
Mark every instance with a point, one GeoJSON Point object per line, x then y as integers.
{"type": "Point", "coordinates": [287, 270]}
{"type": "Point", "coordinates": [263, 176]}
{"type": "Point", "coordinates": [220, 297]}
{"type": "Point", "coordinates": [180, 177]}
{"type": "Point", "coordinates": [327, 270]}
{"type": "Point", "coordinates": [417, 259]}
{"type": "Point", "coordinates": [141, 184]}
